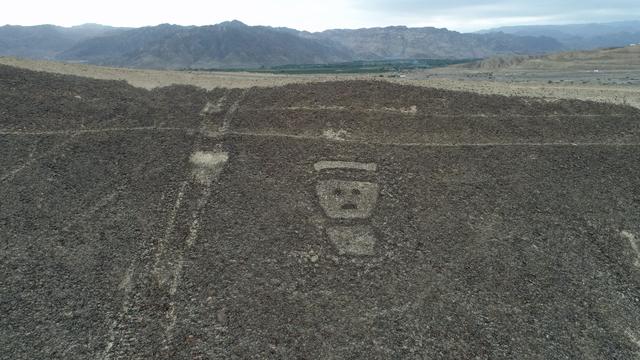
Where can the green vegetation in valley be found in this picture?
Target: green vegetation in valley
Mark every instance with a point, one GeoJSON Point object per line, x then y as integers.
{"type": "Point", "coordinates": [353, 67]}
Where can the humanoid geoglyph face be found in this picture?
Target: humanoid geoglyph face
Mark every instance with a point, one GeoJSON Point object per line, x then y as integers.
{"type": "Point", "coordinates": [342, 199]}
{"type": "Point", "coordinates": [346, 200]}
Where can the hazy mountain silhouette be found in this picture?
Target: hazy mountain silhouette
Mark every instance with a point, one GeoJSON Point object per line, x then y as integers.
{"type": "Point", "coordinates": [580, 36]}
{"type": "Point", "coordinates": [47, 41]}
{"type": "Point", "coordinates": [234, 44]}
{"type": "Point", "coordinates": [229, 44]}
{"type": "Point", "coordinates": [400, 42]}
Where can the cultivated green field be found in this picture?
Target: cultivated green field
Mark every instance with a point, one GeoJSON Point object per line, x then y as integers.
{"type": "Point", "coordinates": [353, 67]}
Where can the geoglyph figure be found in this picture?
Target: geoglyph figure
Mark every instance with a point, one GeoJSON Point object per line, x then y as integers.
{"type": "Point", "coordinates": [349, 200]}
{"type": "Point", "coordinates": [353, 240]}
{"type": "Point", "coordinates": [342, 199]}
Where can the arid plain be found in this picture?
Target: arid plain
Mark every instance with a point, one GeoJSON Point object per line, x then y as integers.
{"type": "Point", "coordinates": [603, 75]}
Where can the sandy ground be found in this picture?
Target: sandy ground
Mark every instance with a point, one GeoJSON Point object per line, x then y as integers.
{"type": "Point", "coordinates": [149, 79]}
{"type": "Point", "coordinates": [617, 85]}
{"type": "Point", "coordinates": [617, 94]}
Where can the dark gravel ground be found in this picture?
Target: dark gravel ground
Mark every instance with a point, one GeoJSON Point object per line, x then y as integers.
{"type": "Point", "coordinates": [506, 228]}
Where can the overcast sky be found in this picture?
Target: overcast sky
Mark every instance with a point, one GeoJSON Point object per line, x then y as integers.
{"type": "Point", "coordinates": [316, 15]}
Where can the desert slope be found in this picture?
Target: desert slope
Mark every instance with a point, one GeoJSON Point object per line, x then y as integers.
{"type": "Point", "coordinates": [626, 58]}
{"type": "Point", "coordinates": [485, 81]}
{"type": "Point", "coordinates": [338, 219]}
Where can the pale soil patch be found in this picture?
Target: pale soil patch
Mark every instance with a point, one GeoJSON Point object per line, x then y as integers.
{"type": "Point", "coordinates": [325, 165]}
{"type": "Point", "coordinates": [339, 135]}
{"type": "Point", "coordinates": [629, 95]}
{"type": "Point", "coordinates": [635, 245]}
{"type": "Point", "coordinates": [353, 240]}
{"type": "Point", "coordinates": [207, 165]}
{"type": "Point", "coordinates": [412, 110]}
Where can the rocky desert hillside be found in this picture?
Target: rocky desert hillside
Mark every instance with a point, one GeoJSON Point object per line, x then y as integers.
{"type": "Point", "coordinates": [337, 220]}
{"type": "Point", "coordinates": [236, 45]}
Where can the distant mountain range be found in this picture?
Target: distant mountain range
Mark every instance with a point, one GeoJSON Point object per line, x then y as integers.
{"type": "Point", "coordinates": [580, 36]}
{"type": "Point", "coordinates": [47, 41]}
{"type": "Point", "coordinates": [236, 45]}
{"type": "Point", "coordinates": [229, 44]}
{"type": "Point", "coordinates": [399, 42]}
